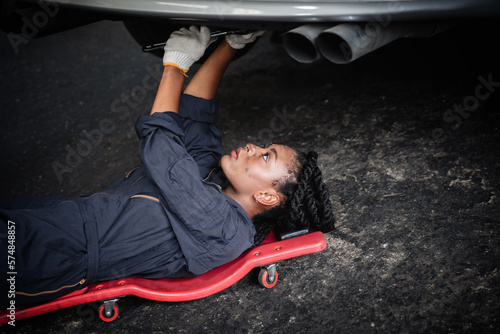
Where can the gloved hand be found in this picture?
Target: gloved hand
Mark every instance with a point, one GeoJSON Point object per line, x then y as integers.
{"type": "Point", "coordinates": [186, 46]}
{"type": "Point", "coordinates": [239, 41]}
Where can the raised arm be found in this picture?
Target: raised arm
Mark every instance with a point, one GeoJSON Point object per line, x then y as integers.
{"type": "Point", "coordinates": [183, 49]}
{"type": "Point", "coordinates": [206, 81]}
{"type": "Point", "coordinates": [169, 90]}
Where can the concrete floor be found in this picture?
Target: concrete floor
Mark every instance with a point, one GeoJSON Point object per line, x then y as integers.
{"type": "Point", "coordinates": [408, 142]}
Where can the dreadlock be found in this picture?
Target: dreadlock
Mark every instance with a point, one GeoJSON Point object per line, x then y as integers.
{"type": "Point", "coordinates": [307, 203]}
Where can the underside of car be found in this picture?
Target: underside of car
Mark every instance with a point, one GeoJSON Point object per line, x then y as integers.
{"type": "Point", "coordinates": [340, 31]}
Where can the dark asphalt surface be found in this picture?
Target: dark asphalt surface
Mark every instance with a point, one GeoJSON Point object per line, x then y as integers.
{"type": "Point", "coordinates": [408, 141]}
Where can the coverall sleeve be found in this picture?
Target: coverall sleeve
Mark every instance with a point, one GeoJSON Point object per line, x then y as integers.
{"type": "Point", "coordinates": [201, 137]}
{"type": "Point", "coordinates": [210, 231]}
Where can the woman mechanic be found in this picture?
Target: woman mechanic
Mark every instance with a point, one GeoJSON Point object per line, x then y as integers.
{"type": "Point", "coordinates": [187, 210]}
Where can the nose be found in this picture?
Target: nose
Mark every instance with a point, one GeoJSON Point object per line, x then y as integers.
{"type": "Point", "coordinates": [251, 149]}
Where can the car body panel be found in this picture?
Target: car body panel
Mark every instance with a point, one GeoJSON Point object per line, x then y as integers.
{"type": "Point", "coordinates": [291, 11]}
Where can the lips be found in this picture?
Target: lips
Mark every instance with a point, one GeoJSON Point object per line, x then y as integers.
{"type": "Point", "coordinates": [236, 153]}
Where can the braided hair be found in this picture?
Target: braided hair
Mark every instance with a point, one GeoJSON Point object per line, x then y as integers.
{"type": "Point", "coordinates": [307, 201]}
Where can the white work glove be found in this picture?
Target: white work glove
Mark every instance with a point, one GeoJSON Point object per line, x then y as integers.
{"type": "Point", "coordinates": [186, 46]}
{"type": "Point", "coordinates": [239, 41]}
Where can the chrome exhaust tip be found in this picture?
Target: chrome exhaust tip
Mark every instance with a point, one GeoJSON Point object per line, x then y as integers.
{"type": "Point", "coordinates": [300, 43]}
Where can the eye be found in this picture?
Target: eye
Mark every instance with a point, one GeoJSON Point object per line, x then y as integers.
{"type": "Point", "coordinates": [265, 156]}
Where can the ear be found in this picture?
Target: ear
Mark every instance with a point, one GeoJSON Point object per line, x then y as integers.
{"type": "Point", "coordinates": [267, 198]}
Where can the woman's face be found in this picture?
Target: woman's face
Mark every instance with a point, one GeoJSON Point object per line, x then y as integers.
{"type": "Point", "coordinates": [252, 169]}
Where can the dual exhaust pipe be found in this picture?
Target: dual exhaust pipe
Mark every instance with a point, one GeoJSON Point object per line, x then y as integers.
{"type": "Point", "coordinates": [346, 42]}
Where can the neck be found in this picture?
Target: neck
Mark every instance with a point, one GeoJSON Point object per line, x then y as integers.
{"type": "Point", "coordinates": [248, 203]}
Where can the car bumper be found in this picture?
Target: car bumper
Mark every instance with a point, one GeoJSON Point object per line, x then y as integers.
{"type": "Point", "coordinates": [287, 11]}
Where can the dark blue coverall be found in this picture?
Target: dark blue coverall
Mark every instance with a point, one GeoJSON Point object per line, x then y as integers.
{"type": "Point", "coordinates": [160, 220]}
